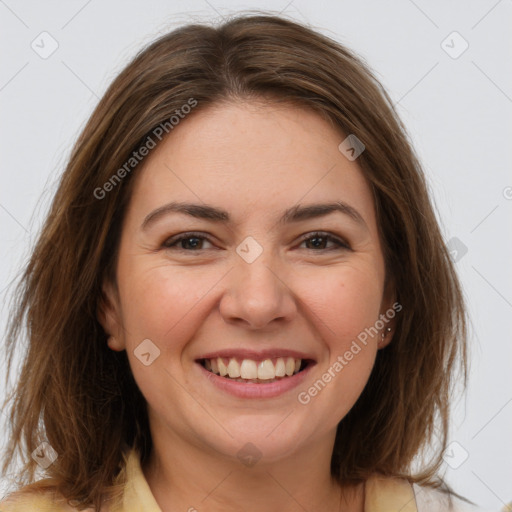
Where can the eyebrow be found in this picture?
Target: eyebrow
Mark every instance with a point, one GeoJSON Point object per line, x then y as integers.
{"type": "Point", "coordinates": [296, 213]}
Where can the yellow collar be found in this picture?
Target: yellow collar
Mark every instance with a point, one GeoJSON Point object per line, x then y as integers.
{"type": "Point", "coordinates": [381, 494]}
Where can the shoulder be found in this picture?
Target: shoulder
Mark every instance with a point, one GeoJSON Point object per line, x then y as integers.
{"type": "Point", "coordinates": [390, 493]}
{"type": "Point", "coordinates": [385, 493]}
{"type": "Point", "coordinates": [44, 495]}
{"type": "Point", "coordinates": [37, 499]}
{"type": "Point", "coordinates": [429, 499]}
{"type": "Point", "coordinates": [36, 502]}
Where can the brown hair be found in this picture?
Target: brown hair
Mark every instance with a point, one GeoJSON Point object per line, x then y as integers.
{"type": "Point", "coordinates": [73, 389]}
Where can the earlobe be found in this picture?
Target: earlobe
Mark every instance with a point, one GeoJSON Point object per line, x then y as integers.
{"type": "Point", "coordinates": [108, 317]}
{"type": "Point", "coordinates": [388, 304]}
{"type": "Point", "coordinates": [386, 337]}
{"type": "Point", "coordinates": [114, 344]}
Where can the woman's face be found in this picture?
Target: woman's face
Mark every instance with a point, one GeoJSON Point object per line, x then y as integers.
{"type": "Point", "coordinates": [256, 282]}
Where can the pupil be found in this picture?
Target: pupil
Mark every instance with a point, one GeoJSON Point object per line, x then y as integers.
{"type": "Point", "coordinates": [194, 245]}
{"type": "Point", "coordinates": [315, 241]}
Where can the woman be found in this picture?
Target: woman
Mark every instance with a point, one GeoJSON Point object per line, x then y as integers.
{"type": "Point", "coordinates": [241, 298]}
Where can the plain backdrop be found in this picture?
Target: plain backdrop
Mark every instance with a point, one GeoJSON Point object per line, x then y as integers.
{"type": "Point", "coordinates": [447, 66]}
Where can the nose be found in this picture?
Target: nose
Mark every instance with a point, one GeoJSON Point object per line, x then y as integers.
{"type": "Point", "coordinates": [257, 295]}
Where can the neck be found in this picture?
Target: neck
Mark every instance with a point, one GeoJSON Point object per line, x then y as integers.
{"type": "Point", "coordinates": [189, 477]}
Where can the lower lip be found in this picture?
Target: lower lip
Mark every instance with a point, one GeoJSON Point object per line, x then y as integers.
{"type": "Point", "coordinates": [252, 390]}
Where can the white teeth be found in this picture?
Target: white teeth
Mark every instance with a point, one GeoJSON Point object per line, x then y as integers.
{"type": "Point", "coordinates": [280, 367]}
{"type": "Point", "coordinates": [290, 366]}
{"type": "Point", "coordinates": [223, 369]}
{"type": "Point", "coordinates": [249, 369]}
{"type": "Point", "coordinates": [266, 370]}
{"type": "Point", "coordinates": [233, 368]}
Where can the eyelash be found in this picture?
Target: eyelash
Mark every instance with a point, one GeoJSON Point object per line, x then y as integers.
{"type": "Point", "coordinates": [170, 243]}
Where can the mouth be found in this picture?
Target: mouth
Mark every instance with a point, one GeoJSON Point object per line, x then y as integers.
{"type": "Point", "coordinates": [255, 371]}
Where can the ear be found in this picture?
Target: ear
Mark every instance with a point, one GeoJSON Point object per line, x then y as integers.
{"type": "Point", "coordinates": [389, 309]}
{"type": "Point", "coordinates": [108, 314]}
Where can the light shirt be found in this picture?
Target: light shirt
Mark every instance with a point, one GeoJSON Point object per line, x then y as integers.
{"type": "Point", "coordinates": [382, 494]}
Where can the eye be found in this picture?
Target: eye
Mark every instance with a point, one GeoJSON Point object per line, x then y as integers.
{"type": "Point", "coordinates": [186, 242]}
{"type": "Point", "coordinates": [194, 242]}
{"type": "Point", "coordinates": [318, 240]}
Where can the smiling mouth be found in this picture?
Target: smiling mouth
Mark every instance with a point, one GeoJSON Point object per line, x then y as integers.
{"type": "Point", "coordinates": [257, 372]}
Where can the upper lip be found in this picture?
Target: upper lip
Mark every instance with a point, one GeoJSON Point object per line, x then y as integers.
{"type": "Point", "coordinates": [257, 355]}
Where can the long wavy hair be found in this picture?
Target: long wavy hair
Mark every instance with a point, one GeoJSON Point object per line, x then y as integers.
{"type": "Point", "coordinates": [80, 396]}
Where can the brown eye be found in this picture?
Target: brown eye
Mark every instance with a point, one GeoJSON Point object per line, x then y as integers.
{"type": "Point", "coordinates": [318, 241]}
{"type": "Point", "coordinates": [186, 242]}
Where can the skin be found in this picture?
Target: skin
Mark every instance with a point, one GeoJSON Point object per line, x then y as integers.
{"type": "Point", "coordinates": [254, 160]}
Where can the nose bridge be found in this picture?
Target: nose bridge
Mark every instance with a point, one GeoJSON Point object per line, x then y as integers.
{"type": "Point", "coordinates": [256, 293]}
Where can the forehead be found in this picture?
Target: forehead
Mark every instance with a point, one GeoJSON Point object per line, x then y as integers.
{"type": "Point", "coordinates": [252, 157]}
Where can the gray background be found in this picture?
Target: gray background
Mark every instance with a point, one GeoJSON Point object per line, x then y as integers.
{"type": "Point", "coordinates": [456, 106]}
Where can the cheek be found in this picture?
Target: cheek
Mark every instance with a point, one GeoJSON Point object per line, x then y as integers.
{"type": "Point", "coordinates": [346, 301]}
{"type": "Point", "coordinates": [346, 305]}
{"type": "Point", "coordinates": [162, 303]}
